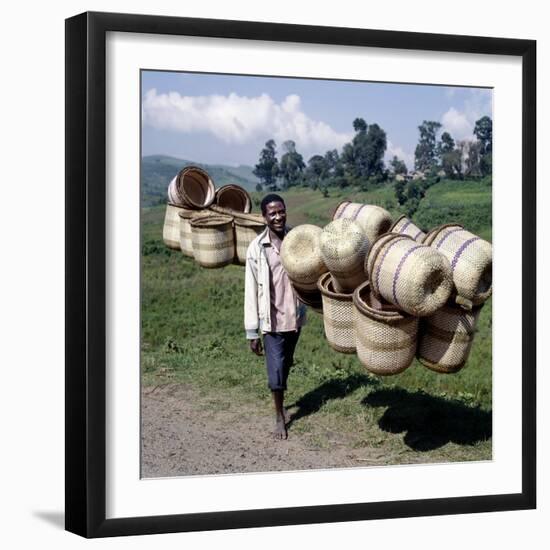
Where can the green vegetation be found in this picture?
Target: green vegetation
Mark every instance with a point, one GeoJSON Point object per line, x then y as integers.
{"type": "Point", "coordinates": [192, 332]}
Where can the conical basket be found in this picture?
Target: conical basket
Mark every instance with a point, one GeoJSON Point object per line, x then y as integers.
{"type": "Point", "coordinates": [404, 226]}
{"type": "Point", "coordinates": [192, 188]}
{"type": "Point", "coordinates": [344, 246]}
{"type": "Point", "coordinates": [301, 256]}
{"type": "Point", "coordinates": [213, 240]}
{"type": "Point", "coordinates": [374, 220]}
{"type": "Point", "coordinates": [337, 316]}
{"type": "Point", "coordinates": [245, 232]}
{"type": "Point", "coordinates": [385, 337]}
{"type": "Point", "coordinates": [233, 197]}
{"type": "Point", "coordinates": [171, 227]}
{"type": "Point", "coordinates": [471, 260]}
{"type": "Point", "coordinates": [446, 338]}
{"type": "Point", "coordinates": [411, 276]}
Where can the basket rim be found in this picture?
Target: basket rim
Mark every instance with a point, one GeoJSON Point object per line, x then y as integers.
{"type": "Point", "coordinates": [234, 187]}
{"type": "Point", "coordinates": [432, 233]}
{"type": "Point", "coordinates": [323, 285]}
{"type": "Point", "coordinates": [210, 181]}
{"type": "Point", "coordinates": [218, 219]}
{"type": "Point", "coordinates": [392, 226]}
{"type": "Point", "coordinates": [391, 315]}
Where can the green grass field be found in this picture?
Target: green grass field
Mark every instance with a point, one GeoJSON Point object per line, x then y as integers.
{"type": "Point", "coordinates": [192, 332]}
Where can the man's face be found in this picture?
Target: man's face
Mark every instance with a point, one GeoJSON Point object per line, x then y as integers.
{"type": "Point", "coordinates": [275, 217]}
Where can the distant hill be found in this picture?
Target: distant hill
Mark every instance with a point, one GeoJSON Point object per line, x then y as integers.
{"type": "Point", "coordinates": [158, 170]}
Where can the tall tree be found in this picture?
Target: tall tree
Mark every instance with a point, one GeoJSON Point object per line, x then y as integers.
{"type": "Point", "coordinates": [398, 166]}
{"type": "Point", "coordinates": [317, 170]}
{"type": "Point", "coordinates": [425, 154]}
{"type": "Point", "coordinates": [484, 133]}
{"type": "Point", "coordinates": [375, 148]}
{"type": "Point", "coordinates": [446, 144]}
{"type": "Point", "coordinates": [292, 164]}
{"type": "Point", "coordinates": [267, 169]}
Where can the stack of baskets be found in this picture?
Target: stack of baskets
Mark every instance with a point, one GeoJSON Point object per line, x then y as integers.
{"type": "Point", "coordinates": [414, 294]}
{"type": "Point", "coordinates": [213, 226]}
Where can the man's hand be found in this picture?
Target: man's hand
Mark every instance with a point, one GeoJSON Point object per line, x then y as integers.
{"type": "Point", "coordinates": [256, 346]}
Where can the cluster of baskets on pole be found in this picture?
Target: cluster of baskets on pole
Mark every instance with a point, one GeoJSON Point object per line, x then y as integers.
{"type": "Point", "coordinates": [389, 291]}
{"type": "Point", "coordinates": [213, 226]}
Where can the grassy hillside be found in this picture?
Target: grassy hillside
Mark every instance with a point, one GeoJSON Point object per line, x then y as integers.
{"type": "Point", "coordinates": [158, 170]}
{"type": "Point", "coordinates": [192, 332]}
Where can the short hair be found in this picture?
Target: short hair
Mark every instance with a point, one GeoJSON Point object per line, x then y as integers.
{"type": "Point", "coordinates": [272, 197]}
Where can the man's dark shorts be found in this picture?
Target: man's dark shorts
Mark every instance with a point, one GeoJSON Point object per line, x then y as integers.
{"type": "Point", "coordinates": [279, 355]}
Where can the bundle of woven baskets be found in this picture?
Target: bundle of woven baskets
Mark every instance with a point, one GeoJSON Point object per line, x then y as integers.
{"type": "Point", "coordinates": [213, 226]}
{"type": "Point", "coordinates": [390, 291]}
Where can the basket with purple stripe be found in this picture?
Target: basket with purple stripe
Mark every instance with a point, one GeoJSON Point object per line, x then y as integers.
{"type": "Point", "coordinates": [413, 277]}
{"type": "Point", "coordinates": [374, 220]}
{"type": "Point", "coordinates": [405, 226]}
{"type": "Point", "coordinates": [471, 260]}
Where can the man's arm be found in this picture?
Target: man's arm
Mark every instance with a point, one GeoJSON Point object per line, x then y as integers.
{"type": "Point", "coordinates": [251, 314]}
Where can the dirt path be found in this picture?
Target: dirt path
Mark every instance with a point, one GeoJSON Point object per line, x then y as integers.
{"type": "Point", "coordinates": [183, 434]}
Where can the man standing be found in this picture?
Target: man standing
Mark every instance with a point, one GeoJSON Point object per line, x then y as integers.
{"type": "Point", "coordinates": [271, 306]}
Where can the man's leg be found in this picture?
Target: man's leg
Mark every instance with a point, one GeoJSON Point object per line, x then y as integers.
{"type": "Point", "coordinates": [280, 417]}
{"type": "Point", "coordinates": [274, 346]}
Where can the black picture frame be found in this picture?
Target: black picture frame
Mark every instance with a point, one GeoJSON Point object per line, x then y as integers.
{"type": "Point", "coordinates": [86, 274]}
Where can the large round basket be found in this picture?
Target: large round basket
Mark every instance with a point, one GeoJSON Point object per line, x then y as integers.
{"type": "Point", "coordinates": [471, 260]}
{"type": "Point", "coordinates": [385, 337]}
{"type": "Point", "coordinates": [192, 188]}
{"type": "Point", "coordinates": [411, 276]}
{"type": "Point", "coordinates": [337, 316]}
{"type": "Point", "coordinates": [446, 338]}
{"type": "Point", "coordinates": [245, 232]}
{"type": "Point", "coordinates": [344, 246]}
{"type": "Point", "coordinates": [374, 220]}
{"type": "Point", "coordinates": [234, 198]}
{"type": "Point", "coordinates": [213, 240]}
{"type": "Point", "coordinates": [171, 227]}
{"type": "Point", "coordinates": [404, 226]}
{"type": "Point", "coordinates": [301, 256]}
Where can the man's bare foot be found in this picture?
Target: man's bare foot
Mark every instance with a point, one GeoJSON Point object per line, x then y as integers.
{"type": "Point", "coordinates": [280, 429]}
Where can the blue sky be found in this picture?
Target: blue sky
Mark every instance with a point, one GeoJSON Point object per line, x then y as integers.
{"type": "Point", "coordinates": [227, 119]}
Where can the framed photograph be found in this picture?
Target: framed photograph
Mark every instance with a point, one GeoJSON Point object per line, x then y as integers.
{"type": "Point", "coordinates": [169, 422]}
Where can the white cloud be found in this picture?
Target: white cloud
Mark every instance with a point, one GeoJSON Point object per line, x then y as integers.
{"type": "Point", "coordinates": [400, 153]}
{"type": "Point", "coordinates": [460, 121]}
{"type": "Point", "coordinates": [236, 119]}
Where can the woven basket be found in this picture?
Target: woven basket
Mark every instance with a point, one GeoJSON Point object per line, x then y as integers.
{"type": "Point", "coordinates": [374, 220]}
{"type": "Point", "coordinates": [446, 338]}
{"type": "Point", "coordinates": [344, 247]}
{"type": "Point", "coordinates": [337, 316]}
{"type": "Point", "coordinates": [233, 197]}
{"type": "Point", "coordinates": [385, 337]}
{"type": "Point", "coordinates": [404, 226]}
{"type": "Point", "coordinates": [411, 276]}
{"type": "Point", "coordinates": [186, 235]}
{"type": "Point", "coordinates": [471, 260]}
{"type": "Point", "coordinates": [301, 256]}
{"type": "Point", "coordinates": [311, 298]}
{"type": "Point", "coordinates": [192, 188]}
{"type": "Point", "coordinates": [171, 227]}
{"type": "Point", "coordinates": [245, 232]}
{"type": "Point", "coordinates": [213, 240]}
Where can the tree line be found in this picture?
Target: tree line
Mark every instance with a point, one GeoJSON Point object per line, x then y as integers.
{"type": "Point", "coordinates": [361, 162]}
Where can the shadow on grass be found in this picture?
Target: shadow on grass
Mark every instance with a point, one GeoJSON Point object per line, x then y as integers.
{"type": "Point", "coordinates": [312, 401]}
{"type": "Point", "coordinates": [430, 422]}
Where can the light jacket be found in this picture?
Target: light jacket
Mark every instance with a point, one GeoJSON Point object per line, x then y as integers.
{"type": "Point", "coordinates": [257, 297]}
